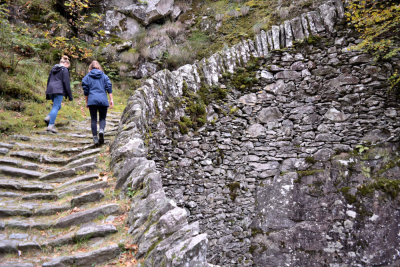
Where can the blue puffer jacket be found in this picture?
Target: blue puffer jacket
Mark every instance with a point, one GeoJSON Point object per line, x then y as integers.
{"type": "Point", "coordinates": [95, 85]}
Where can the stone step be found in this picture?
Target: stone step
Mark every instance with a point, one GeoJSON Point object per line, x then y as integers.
{"type": "Point", "coordinates": [62, 200]}
{"type": "Point", "coordinates": [87, 215]}
{"type": "Point", "coordinates": [10, 194]}
{"type": "Point", "coordinates": [4, 151]}
{"type": "Point", "coordinates": [21, 137]}
{"type": "Point", "coordinates": [89, 197]}
{"type": "Point", "coordinates": [74, 187]}
{"type": "Point", "coordinates": [45, 209]}
{"type": "Point", "coordinates": [84, 178]}
{"type": "Point", "coordinates": [54, 149]}
{"type": "Point", "coordinates": [18, 172]}
{"type": "Point", "coordinates": [16, 264]}
{"type": "Point", "coordinates": [10, 211]}
{"type": "Point", "coordinates": [73, 190]}
{"type": "Point", "coordinates": [40, 196]}
{"type": "Point", "coordinates": [90, 159]}
{"type": "Point", "coordinates": [38, 157]}
{"type": "Point", "coordinates": [26, 224]}
{"type": "Point", "coordinates": [81, 188]}
{"type": "Point", "coordinates": [19, 163]}
{"type": "Point", "coordinates": [49, 209]}
{"type": "Point", "coordinates": [111, 133]}
{"type": "Point", "coordinates": [6, 145]}
{"type": "Point", "coordinates": [24, 185]}
{"type": "Point", "coordinates": [68, 172]}
{"type": "Point", "coordinates": [25, 242]}
{"type": "Point", "coordinates": [80, 135]}
{"type": "Point", "coordinates": [64, 222]}
{"type": "Point", "coordinates": [84, 233]}
{"type": "Point", "coordinates": [62, 140]}
{"type": "Point", "coordinates": [84, 154]}
{"type": "Point", "coordinates": [33, 209]}
{"type": "Point", "coordinates": [92, 258]}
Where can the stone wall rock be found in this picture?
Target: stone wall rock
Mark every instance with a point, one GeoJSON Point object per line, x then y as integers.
{"type": "Point", "coordinates": [266, 182]}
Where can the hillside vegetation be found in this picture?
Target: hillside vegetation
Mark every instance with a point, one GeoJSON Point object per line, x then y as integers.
{"type": "Point", "coordinates": [34, 34]}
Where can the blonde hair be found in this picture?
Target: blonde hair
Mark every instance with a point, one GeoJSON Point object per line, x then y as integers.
{"type": "Point", "coordinates": [65, 60]}
{"type": "Point", "coordinates": [95, 65]}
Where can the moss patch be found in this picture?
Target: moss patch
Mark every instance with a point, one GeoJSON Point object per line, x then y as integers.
{"type": "Point", "coordinates": [234, 188]}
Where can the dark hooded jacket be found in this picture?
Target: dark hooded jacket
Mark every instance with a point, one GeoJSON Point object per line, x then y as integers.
{"type": "Point", "coordinates": [95, 85]}
{"type": "Point", "coordinates": [58, 82]}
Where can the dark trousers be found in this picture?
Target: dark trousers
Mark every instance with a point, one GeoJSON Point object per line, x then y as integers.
{"type": "Point", "coordinates": [102, 118]}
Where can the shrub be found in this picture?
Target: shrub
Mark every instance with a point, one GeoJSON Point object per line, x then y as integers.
{"type": "Point", "coordinates": [179, 56]}
{"type": "Point", "coordinates": [174, 29]}
{"type": "Point", "coordinates": [379, 25]}
{"type": "Point", "coordinates": [378, 22]}
{"type": "Point", "coordinates": [130, 56]}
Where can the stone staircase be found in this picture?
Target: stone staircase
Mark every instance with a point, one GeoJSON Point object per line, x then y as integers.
{"type": "Point", "coordinates": [58, 206]}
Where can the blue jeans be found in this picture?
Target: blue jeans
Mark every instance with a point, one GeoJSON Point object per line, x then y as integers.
{"type": "Point", "coordinates": [57, 99]}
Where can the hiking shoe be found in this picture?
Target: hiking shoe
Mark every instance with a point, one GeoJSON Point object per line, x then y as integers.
{"type": "Point", "coordinates": [95, 140]}
{"type": "Point", "coordinates": [101, 137]}
{"type": "Point", "coordinates": [52, 128]}
{"type": "Point", "coordinates": [47, 120]}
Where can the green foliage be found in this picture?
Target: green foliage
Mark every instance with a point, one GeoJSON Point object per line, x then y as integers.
{"type": "Point", "coordinates": [350, 198]}
{"type": "Point", "coordinates": [243, 79]}
{"type": "Point", "coordinates": [313, 39]}
{"type": "Point", "coordinates": [26, 82]}
{"type": "Point", "coordinates": [394, 82]}
{"type": "Point", "coordinates": [310, 160]}
{"type": "Point", "coordinates": [361, 149]}
{"type": "Point", "coordinates": [388, 186]}
{"type": "Point", "coordinates": [130, 192]}
{"type": "Point", "coordinates": [196, 103]}
{"type": "Point", "coordinates": [9, 60]}
{"type": "Point", "coordinates": [379, 25]}
{"type": "Point", "coordinates": [25, 52]}
{"type": "Point", "coordinates": [184, 125]}
{"type": "Point", "coordinates": [199, 43]}
{"type": "Point", "coordinates": [80, 22]}
{"type": "Point", "coordinates": [378, 22]}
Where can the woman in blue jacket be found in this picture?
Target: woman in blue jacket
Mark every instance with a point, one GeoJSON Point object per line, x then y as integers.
{"type": "Point", "coordinates": [58, 87]}
{"type": "Point", "coordinates": [96, 85]}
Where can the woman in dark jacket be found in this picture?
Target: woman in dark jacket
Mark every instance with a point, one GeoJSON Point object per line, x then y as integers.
{"type": "Point", "coordinates": [57, 87]}
{"type": "Point", "coordinates": [96, 85]}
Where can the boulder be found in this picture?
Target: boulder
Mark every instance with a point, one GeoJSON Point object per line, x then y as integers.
{"type": "Point", "coordinates": [121, 25]}
{"type": "Point", "coordinates": [149, 11]}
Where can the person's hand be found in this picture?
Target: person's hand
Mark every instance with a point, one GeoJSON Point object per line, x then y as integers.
{"type": "Point", "coordinates": [111, 103]}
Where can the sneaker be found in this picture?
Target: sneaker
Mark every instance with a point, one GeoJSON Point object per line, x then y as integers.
{"type": "Point", "coordinates": [52, 128]}
{"type": "Point", "coordinates": [47, 120]}
{"type": "Point", "coordinates": [95, 140]}
{"type": "Point", "coordinates": [101, 137]}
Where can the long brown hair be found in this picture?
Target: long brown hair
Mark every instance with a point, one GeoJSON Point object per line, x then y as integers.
{"type": "Point", "coordinates": [95, 65]}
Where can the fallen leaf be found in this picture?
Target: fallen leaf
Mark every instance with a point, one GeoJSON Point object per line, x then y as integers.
{"type": "Point", "coordinates": [76, 209]}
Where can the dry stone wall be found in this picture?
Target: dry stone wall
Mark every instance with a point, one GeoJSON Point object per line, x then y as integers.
{"type": "Point", "coordinates": [272, 179]}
